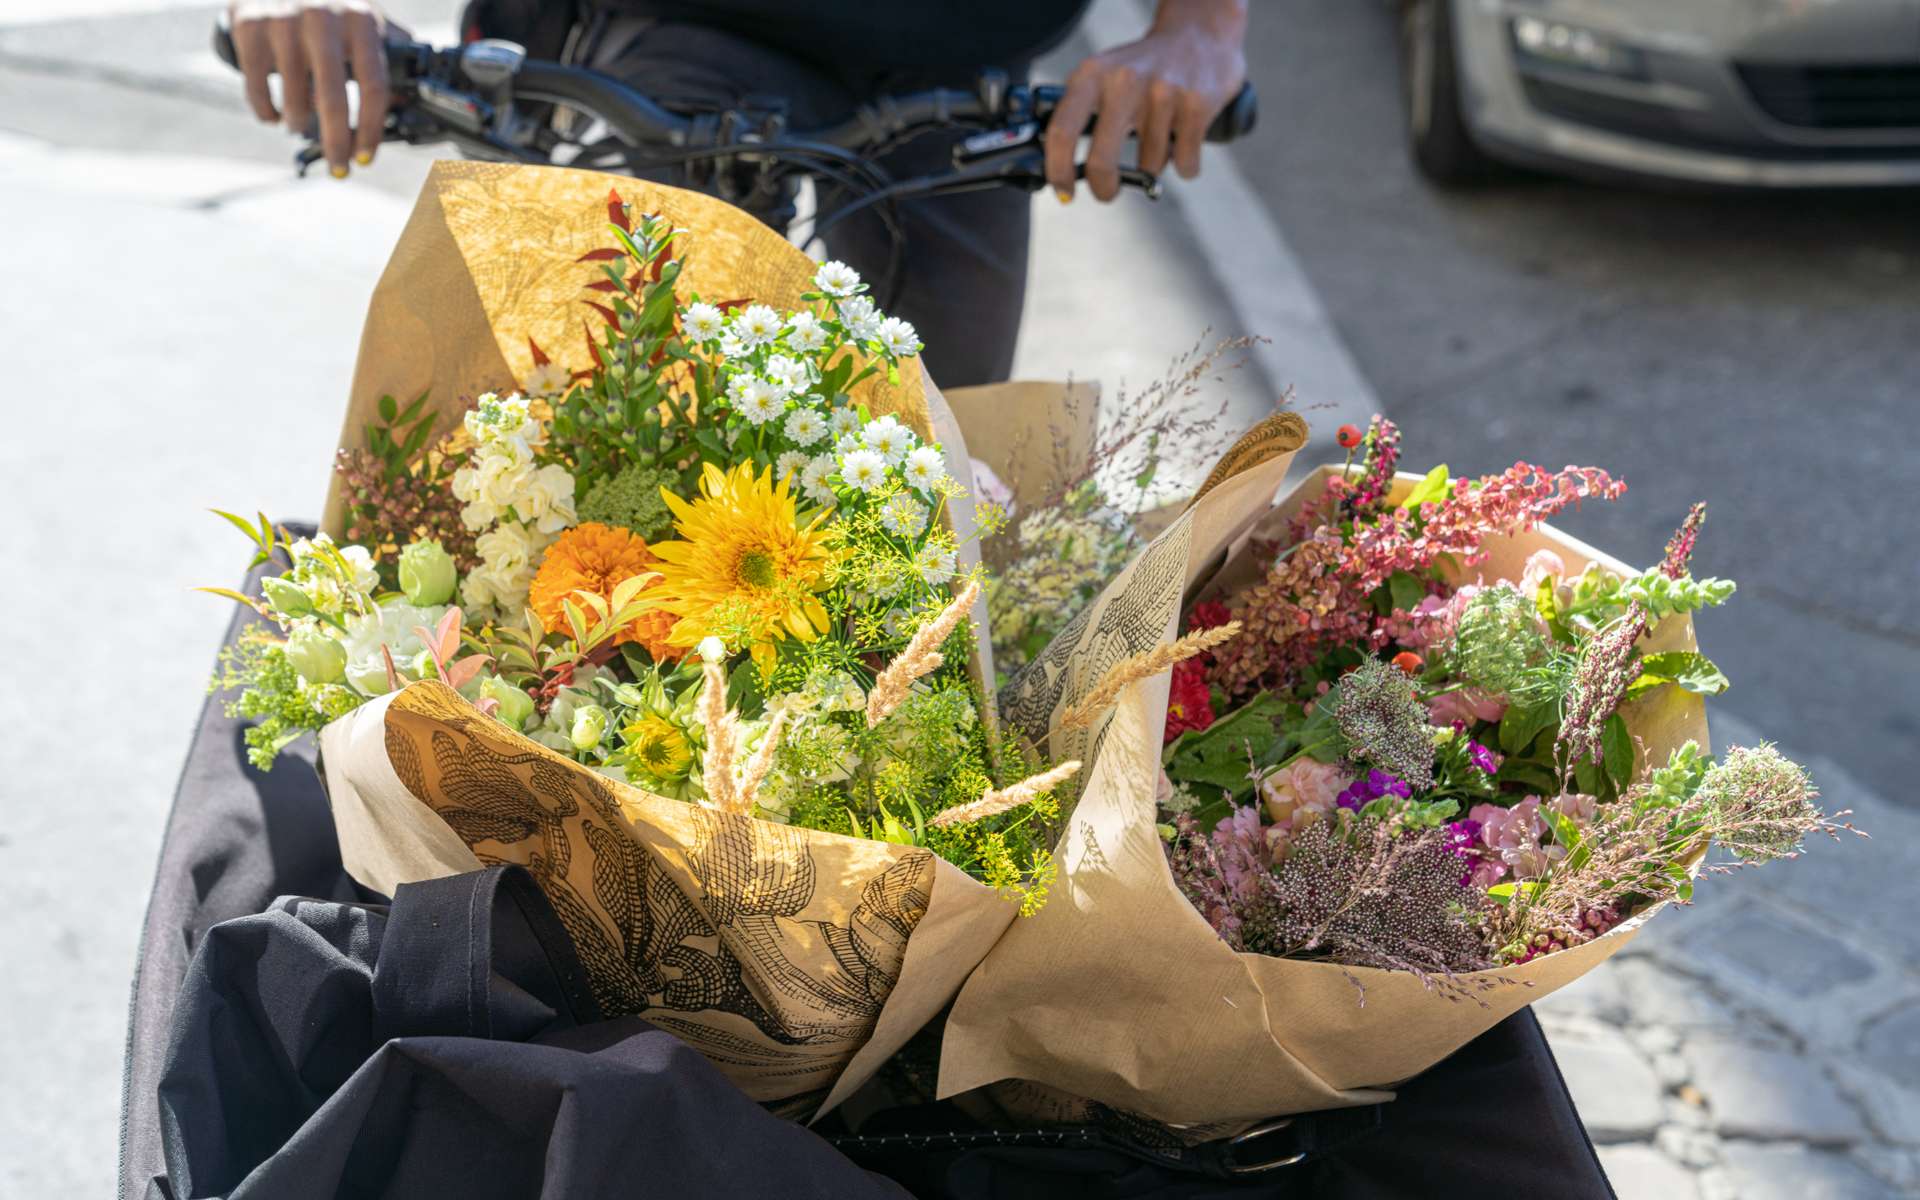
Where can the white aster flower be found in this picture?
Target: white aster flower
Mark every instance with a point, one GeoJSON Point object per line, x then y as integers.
{"type": "Point", "coordinates": [755, 399]}
{"type": "Point", "coordinates": [843, 421]}
{"type": "Point", "coordinates": [804, 426]}
{"type": "Point", "coordinates": [790, 374]}
{"type": "Point", "coordinates": [732, 347]}
{"type": "Point", "coordinates": [888, 438]}
{"type": "Point", "coordinates": [806, 333]}
{"type": "Point", "coordinates": [863, 469]}
{"type": "Point", "coordinates": [903, 516]}
{"type": "Point", "coordinates": [837, 279]}
{"type": "Point", "coordinates": [898, 338]}
{"type": "Point", "coordinates": [757, 325]}
{"type": "Point", "coordinates": [925, 468]}
{"type": "Point", "coordinates": [548, 379]}
{"type": "Point", "coordinates": [936, 564]}
{"type": "Point", "coordinates": [813, 480]}
{"type": "Point", "coordinates": [790, 465]}
{"type": "Point", "coordinates": [861, 318]}
{"type": "Point", "coordinates": [847, 443]}
{"type": "Point", "coordinates": [701, 322]}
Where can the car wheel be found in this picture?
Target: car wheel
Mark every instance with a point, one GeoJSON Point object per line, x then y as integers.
{"type": "Point", "coordinates": [1437, 132]}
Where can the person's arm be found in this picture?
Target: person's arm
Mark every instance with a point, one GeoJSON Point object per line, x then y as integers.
{"type": "Point", "coordinates": [1168, 86]}
{"type": "Point", "coordinates": [309, 43]}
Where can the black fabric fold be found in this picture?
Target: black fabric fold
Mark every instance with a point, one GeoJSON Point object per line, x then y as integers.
{"type": "Point", "coordinates": [447, 1045]}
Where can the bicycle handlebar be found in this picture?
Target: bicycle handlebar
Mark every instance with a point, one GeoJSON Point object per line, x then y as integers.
{"type": "Point", "coordinates": [499, 66]}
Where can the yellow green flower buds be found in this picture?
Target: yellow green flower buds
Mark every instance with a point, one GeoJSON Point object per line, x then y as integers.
{"type": "Point", "coordinates": [426, 573]}
{"type": "Point", "coordinates": [515, 705]}
{"type": "Point", "coordinates": [589, 726]}
{"type": "Point", "coordinates": [317, 657]}
{"type": "Point", "coordinates": [287, 597]}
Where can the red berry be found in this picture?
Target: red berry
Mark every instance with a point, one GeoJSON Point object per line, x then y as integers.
{"type": "Point", "coordinates": [1408, 662]}
{"type": "Point", "coordinates": [1348, 436]}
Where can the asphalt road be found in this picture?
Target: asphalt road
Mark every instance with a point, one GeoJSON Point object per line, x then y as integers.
{"type": "Point", "coordinates": [1761, 353]}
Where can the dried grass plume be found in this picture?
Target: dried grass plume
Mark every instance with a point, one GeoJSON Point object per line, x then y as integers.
{"type": "Point", "coordinates": [999, 800]}
{"type": "Point", "coordinates": [920, 658]}
{"type": "Point", "coordinates": [1085, 711]}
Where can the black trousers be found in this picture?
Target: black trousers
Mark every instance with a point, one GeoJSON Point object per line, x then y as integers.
{"type": "Point", "coordinates": [964, 274]}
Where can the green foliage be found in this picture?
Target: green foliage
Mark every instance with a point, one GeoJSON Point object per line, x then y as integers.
{"type": "Point", "coordinates": [1693, 672]}
{"type": "Point", "coordinates": [1225, 755]}
{"type": "Point", "coordinates": [1498, 640]}
{"type": "Point", "coordinates": [1598, 596]}
{"type": "Point", "coordinates": [1672, 785]}
{"type": "Point", "coordinates": [273, 696]}
{"type": "Point", "coordinates": [400, 435]}
{"type": "Point", "coordinates": [631, 500]}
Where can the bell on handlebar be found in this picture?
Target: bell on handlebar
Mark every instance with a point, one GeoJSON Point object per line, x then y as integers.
{"type": "Point", "coordinates": [491, 64]}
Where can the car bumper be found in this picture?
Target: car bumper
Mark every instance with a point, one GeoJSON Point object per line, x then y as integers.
{"type": "Point", "coordinates": [1685, 112]}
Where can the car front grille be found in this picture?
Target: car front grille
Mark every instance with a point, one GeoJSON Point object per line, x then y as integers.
{"type": "Point", "coordinates": [1880, 96]}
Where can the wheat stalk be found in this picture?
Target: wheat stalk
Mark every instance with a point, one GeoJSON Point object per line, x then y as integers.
{"type": "Point", "coordinates": [920, 658]}
{"type": "Point", "coordinates": [997, 801]}
{"type": "Point", "coordinates": [1084, 711]}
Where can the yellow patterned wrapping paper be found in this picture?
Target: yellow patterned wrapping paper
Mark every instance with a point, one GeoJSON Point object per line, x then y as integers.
{"type": "Point", "coordinates": [1118, 991]}
{"type": "Point", "coordinates": [796, 960]}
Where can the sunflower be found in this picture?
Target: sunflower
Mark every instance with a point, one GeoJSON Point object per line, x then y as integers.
{"type": "Point", "coordinates": [598, 558]}
{"type": "Point", "coordinates": [743, 569]}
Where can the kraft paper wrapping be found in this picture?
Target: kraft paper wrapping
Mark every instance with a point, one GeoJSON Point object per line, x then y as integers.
{"type": "Point", "coordinates": [1118, 991]}
{"type": "Point", "coordinates": [796, 960]}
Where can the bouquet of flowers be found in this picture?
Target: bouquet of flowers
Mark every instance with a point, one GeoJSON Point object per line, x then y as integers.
{"type": "Point", "coordinates": [1418, 760]}
{"type": "Point", "coordinates": [685, 625]}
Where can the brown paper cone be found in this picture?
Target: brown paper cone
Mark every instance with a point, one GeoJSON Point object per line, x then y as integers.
{"type": "Point", "coordinates": [796, 960]}
{"type": "Point", "coordinates": [1117, 990]}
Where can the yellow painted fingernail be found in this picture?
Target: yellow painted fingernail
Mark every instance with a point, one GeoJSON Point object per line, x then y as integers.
{"type": "Point", "coordinates": [338, 172]}
{"type": "Point", "coordinates": [1063, 195]}
{"type": "Point", "coordinates": [364, 158]}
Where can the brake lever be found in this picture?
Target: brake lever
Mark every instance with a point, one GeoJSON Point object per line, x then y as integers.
{"type": "Point", "coordinates": [1003, 156]}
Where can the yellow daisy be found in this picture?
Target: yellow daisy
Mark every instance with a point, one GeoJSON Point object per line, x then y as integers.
{"type": "Point", "coordinates": [743, 569]}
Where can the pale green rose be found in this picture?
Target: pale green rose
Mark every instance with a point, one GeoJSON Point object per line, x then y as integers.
{"type": "Point", "coordinates": [427, 573]}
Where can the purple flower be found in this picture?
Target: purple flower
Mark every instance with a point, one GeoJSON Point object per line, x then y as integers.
{"type": "Point", "coordinates": [1375, 784]}
{"type": "Point", "coordinates": [1482, 758]}
{"type": "Point", "coordinates": [1463, 837]}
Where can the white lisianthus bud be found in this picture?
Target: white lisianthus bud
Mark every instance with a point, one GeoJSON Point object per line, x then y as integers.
{"type": "Point", "coordinates": [589, 726]}
{"type": "Point", "coordinates": [712, 649]}
{"type": "Point", "coordinates": [515, 705]}
{"type": "Point", "coordinates": [287, 597]}
{"type": "Point", "coordinates": [318, 657]}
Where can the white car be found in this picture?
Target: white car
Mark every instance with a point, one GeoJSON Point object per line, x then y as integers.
{"type": "Point", "coordinates": [1742, 93]}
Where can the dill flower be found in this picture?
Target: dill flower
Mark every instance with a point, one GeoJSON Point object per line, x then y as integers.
{"type": "Point", "coordinates": [1759, 803]}
{"type": "Point", "coordinates": [1384, 723]}
{"type": "Point", "coordinates": [743, 567]}
{"type": "Point", "coordinates": [1498, 638]}
{"type": "Point", "coordinates": [596, 558]}
{"type": "Point", "coordinates": [631, 500]}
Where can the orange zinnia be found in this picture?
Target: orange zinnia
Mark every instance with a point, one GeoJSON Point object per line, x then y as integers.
{"type": "Point", "coordinates": [598, 558]}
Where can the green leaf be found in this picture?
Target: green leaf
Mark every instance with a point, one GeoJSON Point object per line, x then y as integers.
{"type": "Point", "coordinates": [1693, 672]}
{"type": "Point", "coordinates": [1406, 588]}
{"type": "Point", "coordinates": [1617, 749]}
{"type": "Point", "coordinates": [1433, 487]}
{"type": "Point", "coordinates": [1223, 754]}
{"type": "Point", "coordinates": [1588, 777]}
{"type": "Point", "coordinates": [243, 525]}
{"type": "Point", "coordinates": [1530, 775]}
{"type": "Point", "coordinates": [388, 409]}
{"type": "Point", "coordinates": [1523, 723]}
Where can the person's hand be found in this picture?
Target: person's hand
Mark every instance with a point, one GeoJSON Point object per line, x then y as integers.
{"type": "Point", "coordinates": [309, 43]}
{"type": "Point", "coordinates": [1168, 86]}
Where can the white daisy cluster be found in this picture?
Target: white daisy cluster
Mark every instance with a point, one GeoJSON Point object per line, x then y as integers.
{"type": "Point", "coordinates": [520, 506]}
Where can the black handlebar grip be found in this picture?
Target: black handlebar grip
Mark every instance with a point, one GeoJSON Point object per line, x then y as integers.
{"type": "Point", "coordinates": [1238, 118]}
{"type": "Point", "coordinates": [223, 44]}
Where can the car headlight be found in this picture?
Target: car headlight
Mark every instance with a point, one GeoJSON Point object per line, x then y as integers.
{"type": "Point", "coordinates": [1560, 44]}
